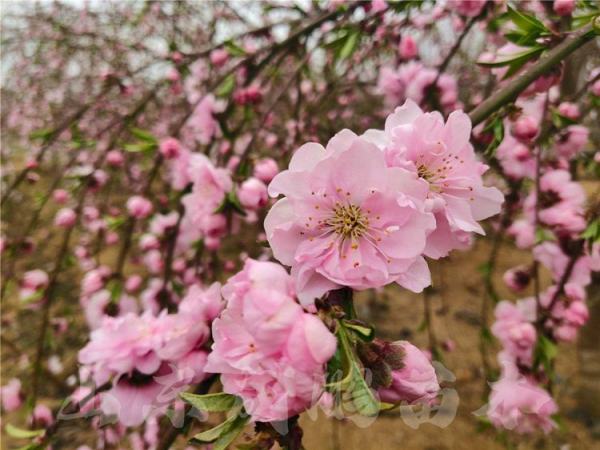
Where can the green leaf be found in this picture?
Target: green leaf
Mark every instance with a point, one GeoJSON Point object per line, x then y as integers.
{"type": "Point", "coordinates": [513, 58]}
{"type": "Point", "coordinates": [31, 446]}
{"type": "Point", "coordinates": [580, 21]}
{"type": "Point", "coordinates": [140, 147]}
{"type": "Point", "coordinates": [522, 39]}
{"type": "Point", "coordinates": [226, 87]}
{"type": "Point", "coordinates": [231, 202]}
{"type": "Point", "coordinates": [350, 45]}
{"type": "Point", "coordinates": [20, 433]}
{"type": "Point", "coordinates": [334, 366]}
{"type": "Point", "coordinates": [42, 134]}
{"type": "Point", "coordinates": [496, 127]}
{"type": "Point", "coordinates": [224, 434]}
{"type": "Point", "coordinates": [364, 331]}
{"type": "Point", "coordinates": [211, 402]}
{"type": "Point", "coordinates": [486, 334]}
{"type": "Point", "coordinates": [214, 433]}
{"type": "Point", "coordinates": [354, 383]}
{"type": "Point", "coordinates": [561, 121]}
{"type": "Point", "coordinates": [543, 235]}
{"type": "Point", "coordinates": [144, 136]}
{"type": "Point", "coordinates": [115, 287]}
{"type": "Point", "coordinates": [526, 22]}
{"type": "Point", "coordinates": [114, 223]}
{"type": "Point", "coordinates": [233, 49]}
{"type": "Point", "coordinates": [233, 432]}
{"type": "Point", "coordinates": [516, 65]}
{"type": "Point", "coordinates": [592, 233]}
{"type": "Point", "coordinates": [545, 352]}
{"type": "Point", "coordinates": [362, 395]}
{"type": "Point", "coordinates": [485, 269]}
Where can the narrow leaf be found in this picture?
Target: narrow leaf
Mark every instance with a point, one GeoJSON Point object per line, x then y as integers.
{"type": "Point", "coordinates": [364, 331]}
{"type": "Point", "coordinates": [525, 21]}
{"type": "Point", "coordinates": [211, 402]}
{"type": "Point", "coordinates": [143, 135]}
{"type": "Point", "coordinates": [20, 433]}
{"type": "Point", "coordinates": [349, 45]}
{"type": "Point", "coordinates": [226, 87]}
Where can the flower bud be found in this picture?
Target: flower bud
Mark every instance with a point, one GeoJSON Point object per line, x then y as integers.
{"type": "Point", "coordinates": [563, 7]}
{"type": "Point", "coordinates": [525, 128]}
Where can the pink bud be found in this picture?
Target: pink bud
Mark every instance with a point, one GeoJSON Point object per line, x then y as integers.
{"type": "Point", "coordinates": [265, 169]}
{"type": "Point", "coordinates": [133, 283]}
{"type": "Point", "coordinates": [112, 237]}
{"type": "Point", "coordinates": [60, 196]}
{"type": "Point", "coordinates": [525, 128]}
{"type": "Point", "coordinates": [219, 57]}
{"type": "Point", "coordinates": [41, 416]}
{"type": "Point", "coordinates": [65, 218]}
{"type": "Point", "coordinates": [173, 75]}
{"type": "Point", "coordinates": [149, 242]}
{"type": "Point", "coordinates": [596, 88]}
{"type": "Point", "coordinates": [253, 194]}
{"type": "Point", "coordinates": [11, 395]}
{"type": "Point", "coordinates": [517, 278]}
{"type": "Point", "coordinates": [176, 57]}
{"type": "Point", "coordinates": [407, 48]}
{"type": "Point", "coordinates": [170, 148]}
{"type": "Point", "coordinates": [114, 158]}
{"type": "Point", "coordinates": [569, 110]}
{"type": "Point", "coordinates": [233, 162]}
{"type": "Point", "coordinates": [31, 164]}
{"type": "Point", "coordinates": [139, 207]}
{"type": "Point", "coordinates": [225, 147]}
{"type": "Point", "coordinates": [415, 381]}
{"type": "Point", "coordinates": [563, 7]}
{"type": "Point", "coordinates": [212, 243]}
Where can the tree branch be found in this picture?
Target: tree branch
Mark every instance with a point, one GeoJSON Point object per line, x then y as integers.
{"type": "Point", "coordinates": [512, 90]}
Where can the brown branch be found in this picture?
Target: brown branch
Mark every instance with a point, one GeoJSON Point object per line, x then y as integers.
{"type": "Point", "coordinates": [512, 90]}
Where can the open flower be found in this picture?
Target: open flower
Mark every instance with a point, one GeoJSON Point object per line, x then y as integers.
{"type": "Point", "coordinates": [348, 220]}
{"type": "Point", "coordinates": [441, 156]}
{"type": "Point", "coordinates": [268, 350]}
{"type": "Point", "coordinates": [514, 329]}
{"type": "Point", "coordinates": [518, 404]}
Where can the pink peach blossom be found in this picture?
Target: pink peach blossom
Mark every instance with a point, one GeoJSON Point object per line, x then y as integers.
{"type": "Point", "coordinates": [514, 328]}
{"type": "Point", "coordinates": [518, 404]}
{"type": "Point", "coordinates": [267, 349]}
{"type": "Point", "coordinates": [442, 158]}
{"type": "Point", "coordinates": [348, 220]}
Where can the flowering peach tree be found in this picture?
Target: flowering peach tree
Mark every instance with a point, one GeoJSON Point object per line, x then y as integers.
{"type": "Point", "coordinates": [192, 193]}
